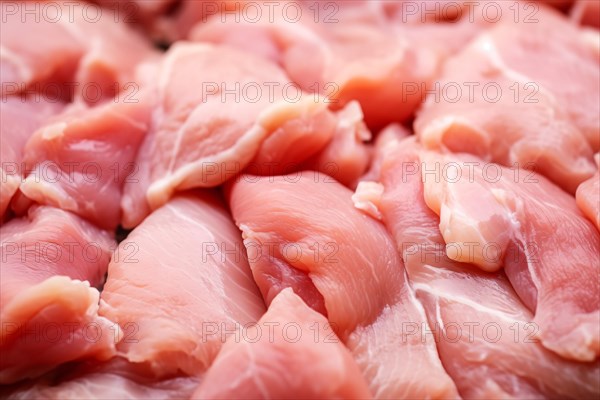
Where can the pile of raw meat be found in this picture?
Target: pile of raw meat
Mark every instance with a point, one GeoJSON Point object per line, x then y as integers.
{"type": "Point", "coordinates": [300, 199]}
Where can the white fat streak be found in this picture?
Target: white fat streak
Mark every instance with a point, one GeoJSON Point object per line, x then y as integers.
{"type": "Point", "coordinates": [45, 192]}
{"type": "Point", "coordinates": [431, 350]}
{"type": "Point", "coordinates": [189, 220]}
{"type": "Point", "coordinates": [468, 302]}
{"type": "Point", "coordinates": [159, 191]}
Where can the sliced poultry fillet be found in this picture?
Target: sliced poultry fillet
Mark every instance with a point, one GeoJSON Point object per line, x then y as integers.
{"type": "Point", "coordinates": [588, 197]}
{"type": "Point", "coordinates": [208, 127]}
{"type": "Point", "coordinates": [354, 55]}
{"type": "Point", "coordinates": [302, 231]}
{"type": "Point", "coordinates": [113, 379]}
{"type": "Point", "coordinates": [508, 218]}
{"type": "Point", "coordinates": [184, 286]}
{"type": "Point", "coordinates": [84, 56]}
{"type": "Point", "coordinates": [82, 158]}
{"type": "Point", "coordinates": [503, 108]}
{"type": "Point", "coordinates": [52, 262]}
{"type": "Point", "coordinates": [484, 333]}
{"type": "Point", "coordinates": [291, 350]}
{"type": "Point", "coordinates": [21, 117]}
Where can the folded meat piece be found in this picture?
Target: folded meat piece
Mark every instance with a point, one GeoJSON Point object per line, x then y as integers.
{"type": "Point", "coordinates": [291, 350]}
{"type": "Point", "coordinates": [347, 155]}
{"type": "Point", "coordinates": [81, 160]}
{"type": "Point", "coordinates": [354, 55]}
{"type": "Point", "coordinates": [484, 333]}
{"type": "Point", "coordinates": [88, 56]}
{"type": "Point", "coordinates": [506, 109]}
{"type": "Point", "coordinates": [208, 127]}
{"type": "Point", "coordinates": [51, 263]}
{"type": "Point", "coordinates": [302, 231]}
{"type": "Point", "coordinates": [21, 117]}
{"type": "Point", "coordinates": [114, 379]}
{"type": "Point", "coordinates": [588, 197]}
{"type": "Point", "coordinates": [179, 323]}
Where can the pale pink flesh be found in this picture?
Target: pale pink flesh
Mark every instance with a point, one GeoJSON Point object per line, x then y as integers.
{"type": "Point", "coordinates": [115, 379]}
{"type": "Point", "coordinates": [20, 119]}
{"type": "Point", "coordinates": [356, 56]}
{"type": "Point", "coordinates": [588, 197]}
{"type": "Point", "coordinates": [275, 361]}
{"type": "Point", "coordinates": [468, 308]}
{"type": "Point", "coordinates": [536, 121]}
{"type": "Point", "coordinates": [51, 262]}
{"type": "Point", "coordinates": [513, 223]}
{"type": "Point", "coordinates": [82, 158]}
{"type": "Point", "coordinates": [302, 231]}
{"type": "Point", "coordinates": [180, 283]}
{"type": "Point", "coordinates": [92, 59]}
{"type": "Point", "coordinates": [202, 135]}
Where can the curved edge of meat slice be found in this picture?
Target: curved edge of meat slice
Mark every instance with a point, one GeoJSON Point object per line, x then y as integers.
{"type": "Point", "coordinates": [49, 311]}
{"type": "Point", "coordinates": [303, 231]}
{"type": "Point", "coordinates": [290, 350]}
{"type": "Point", "coordinates": [588, 197]}
{"type": "Point", "coordinates": [179, 323]}
{"type": "Point", "coordinates": [58, 157]}
{"type": "Point", "coordinates": [483, 331]}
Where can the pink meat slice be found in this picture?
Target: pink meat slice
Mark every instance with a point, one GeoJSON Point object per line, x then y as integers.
{"type": "Point", "coordinates": [527, 117]}
{"type": "Point", "coordinates": [302, 231]}
{"type": "Point", "coordinates": [512, 222]}
{"type": "Point", "coordinates": [356, 55]}
{"type": "Point", "coordinates": [51, 263]}
{"type": "Point", "coordinates": [274, 365]}
{"type": "Point", "coordinates": [114, 379]}
{"type": "Point", "coordinates": [81, 160]}
{"type": "Point", "coordinates": [92, 56]}
{"type": "Point", "coordinates": [21, 117]}
{"type": "Point", "coordinates": [208, 127]}
{"type": "Point", "coordinates": [180, 283]}
{"type": "Point", "coordinates": [588, 197]}
{"type": "Point", "coordinates": [483, 331]}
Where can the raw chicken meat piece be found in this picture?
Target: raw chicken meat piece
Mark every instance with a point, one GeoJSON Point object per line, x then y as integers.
{"type": "Point", "coordinates": [510, 220]}
{"type": "Point", "coordinates": [114, 379]}
{"type": "Point", "coordinates": [484, 333]}
{"type": "Point", "coordinates": [51, 263]}
{"type": "Point", "coordinates": [356, 55]}
{"type": "Point", "coordinates": [588, 197]}
{"type": "Point", "coordinates": [83, 157]}
{"type": "Point", "coordinates": [291, 350]}
{"type": "Point", "coordinates": [180, 285]}
{"type": "Point", "coordinates": [208, 127]}
{"type": "Point", "coordinates": [302, 231]}
{"type": "Point", "coordinates": [514, 111]}
{"type": "Point", "coordinates": [91, 57]}
{"type": "Point", "coordinates": [21, 117]}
